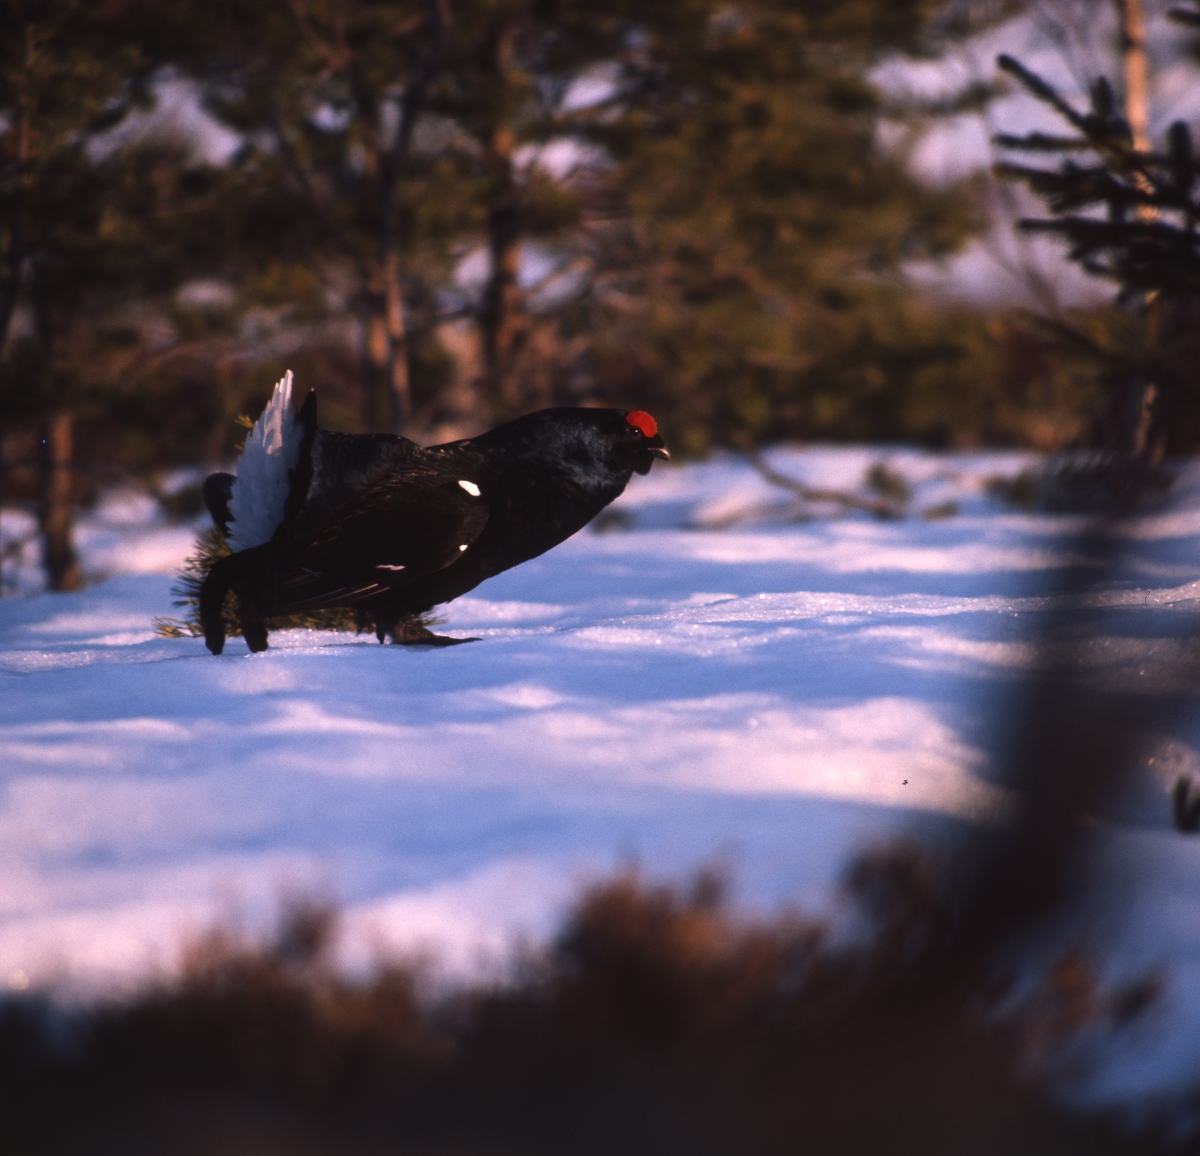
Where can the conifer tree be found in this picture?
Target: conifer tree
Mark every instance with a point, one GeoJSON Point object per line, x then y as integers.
{"type": "Point", "coordinates": [67, 75]}
{"type": "Point", "coordinates": [1144, 240]}
{"type": "Point", "coordinates": [327, 95]}
{"type": "Point", "coordinates": [751, 280]}
{"type": "Point", "coordinates": [732, 253]}
{"type": "Point", "coordinates": [386, 139]}
{"type": "Point", "coordinates": [512, 63]}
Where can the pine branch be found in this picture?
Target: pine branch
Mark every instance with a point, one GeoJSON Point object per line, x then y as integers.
{"type": "Point", "coordinates": [1043, 91]}
{"type": "Point", "coordinates": [211, 547]}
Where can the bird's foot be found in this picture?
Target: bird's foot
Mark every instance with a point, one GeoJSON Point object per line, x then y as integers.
{"type": "Point", "coordinates": [409, 633]}
{"type": "Point", "coordinates": [255, 634]}
{"type": "Point", "coordinates": [257, 641]}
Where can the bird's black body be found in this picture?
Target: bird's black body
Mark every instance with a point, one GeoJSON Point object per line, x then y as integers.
{"type": "Point", "coordinates": [391, 529]}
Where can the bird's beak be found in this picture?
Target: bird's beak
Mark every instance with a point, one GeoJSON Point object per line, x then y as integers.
{"type": "Point", "coordinates": [647, 451]}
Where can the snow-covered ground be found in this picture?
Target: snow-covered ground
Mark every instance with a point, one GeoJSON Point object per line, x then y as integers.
{"type": "Point", "coordinates": [771, 696]}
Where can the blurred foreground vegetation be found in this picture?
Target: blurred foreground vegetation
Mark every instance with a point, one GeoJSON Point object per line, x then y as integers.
{"type": "Point", "coordinates": [657, 1023]}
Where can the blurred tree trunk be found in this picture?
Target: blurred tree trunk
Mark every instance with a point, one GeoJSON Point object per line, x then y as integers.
{"type": "Point", "coordinates": [14, 260]}
{"type": "Point", "coordinates": [55, 480]}
{"type": "Point", "coordinates": [397, 338]}
{"type": "Point", "coordinates": [1135, 69]}
{"type": "Point", "coordinates": [388, 401]}
{"type": "Point", "coordinates": [392, 158]}
{"type": "Point", "coordinates": [500, 317]}
{"type": "Point", "coordinates": [1136, 403]}
{"type": "Point", "coordinates": [17, 195]}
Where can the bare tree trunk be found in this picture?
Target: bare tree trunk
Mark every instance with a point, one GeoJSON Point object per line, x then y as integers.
{"type": "Point", "coordinates": [1135, 69]}
{"type": "Point", "coordinates": [393, 346]}
{"type": "Point", "coordinates": [397, 344]}
{"type": "Point", "coordinates": [501, 322]}
{"type": "Point", "coordinates": [1136, 407]}
{"type": "Point", "coordinates": [502, 306]}
{"type": "Point", "coordinates": [387, 405]}
{"type": "Point", "coordinates": [389, 345]}
{"type": "Point", "coordinates": [377, 406]}
{"type": "Point", "coordinates": [58, 552]}
{"type": "Point", "coordinates": [10, 286]}
{"type": "Point", "coordinates": [9, 289]}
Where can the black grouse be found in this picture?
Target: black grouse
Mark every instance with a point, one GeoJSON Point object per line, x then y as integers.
{"type": "Point", "coordinates": [377, 523]}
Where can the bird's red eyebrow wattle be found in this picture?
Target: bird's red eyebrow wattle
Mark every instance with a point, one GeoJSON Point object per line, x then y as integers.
{"type": "Point", "coordinates": [640, 419]}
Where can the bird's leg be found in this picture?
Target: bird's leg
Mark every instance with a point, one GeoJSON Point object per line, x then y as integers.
{"type": "Point", "coordinates": [254, 626]}
{"type": "Point", "coordinates": [255, 634]}
{"type": "Point", "coordinates": [212, 602]}
{"type": "Point", "coordinates": [410, 632]}
{"type": "Point", "coordinates": [243, 574]}
{"type": "Point", "coordinates": [384, 626]}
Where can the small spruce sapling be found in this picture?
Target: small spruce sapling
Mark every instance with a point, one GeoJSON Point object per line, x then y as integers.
{"type": "Point", "coordinates": [1129, 215]}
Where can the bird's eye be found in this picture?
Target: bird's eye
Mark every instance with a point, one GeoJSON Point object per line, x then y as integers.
{"type": "Point", "coordinates": [634, 431]}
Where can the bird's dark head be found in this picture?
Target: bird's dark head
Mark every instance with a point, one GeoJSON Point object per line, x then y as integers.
{"type": "Point", "coordinates": [593, 449]}
{"type": "Point", "coordinates": [642, 431]}
{"type": "Point", "coordinates": [602, 447]}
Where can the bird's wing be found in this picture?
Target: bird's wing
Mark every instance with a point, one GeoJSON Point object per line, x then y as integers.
{"type": "Point", "coordinates": [415, 520]}
{"type": "Point", "coordinates": [338, 468]}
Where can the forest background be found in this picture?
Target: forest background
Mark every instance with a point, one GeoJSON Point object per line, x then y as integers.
{"type": "Point", "coordinates": [442, 213]}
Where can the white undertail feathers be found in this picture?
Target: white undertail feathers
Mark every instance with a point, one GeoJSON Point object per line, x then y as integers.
{"type": "Point", "coordinates": [260, 490]}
